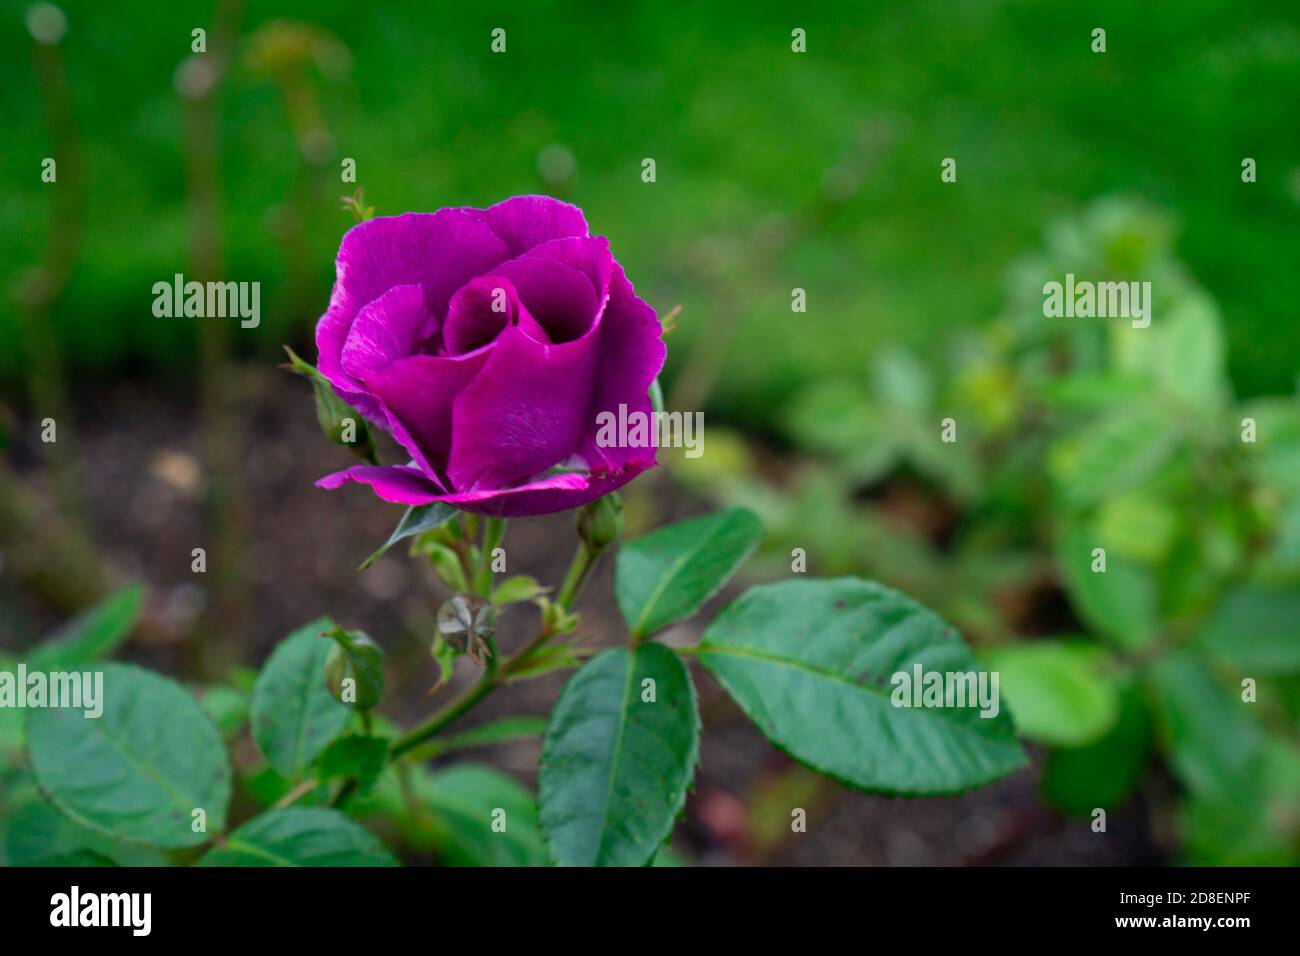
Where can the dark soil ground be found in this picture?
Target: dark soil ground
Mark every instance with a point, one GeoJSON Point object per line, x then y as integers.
{"type": "Point", "coordinates": [147, 493]}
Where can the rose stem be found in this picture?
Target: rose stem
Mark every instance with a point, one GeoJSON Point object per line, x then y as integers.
{"type": "Point", "coordinates": [579, 571]}
{"type": "Point", "coordinates": [494, 531]}
{"type": "Point", "coordinates": [584, 559]}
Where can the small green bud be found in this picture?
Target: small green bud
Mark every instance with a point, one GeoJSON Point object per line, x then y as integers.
{"type": "Point", "coordinates": [555, 619]}
{"type": "Point", "coordinates": [600, 522]}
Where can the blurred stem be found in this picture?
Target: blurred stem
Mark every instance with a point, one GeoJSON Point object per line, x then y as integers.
{"type": "Point", "coordinates": [64, 570]}
{"type": "Point", "coordinates": [47, 388]}
{"type": "Point", "coordinates": [297, 793]}
{"type": "Point", "coordinates": [312, 183]}
{"type": "Point", "coordinates": [217, 399]}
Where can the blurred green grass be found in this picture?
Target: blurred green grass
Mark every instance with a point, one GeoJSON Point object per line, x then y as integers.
{"type": "Point", "coordinates": [775, 169]}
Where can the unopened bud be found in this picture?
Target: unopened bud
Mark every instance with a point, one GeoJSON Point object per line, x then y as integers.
{"type": "Point", "coordinates": [600, 522]}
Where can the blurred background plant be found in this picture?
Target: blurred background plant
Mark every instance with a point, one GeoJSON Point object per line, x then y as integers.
{"type": "Point", "coordinates": [775, 171]}
{"type": "Point", "coordinates": [1117, 532]}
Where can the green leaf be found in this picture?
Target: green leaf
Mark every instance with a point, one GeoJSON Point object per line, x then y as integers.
{"type": "Point", "coordinates": [1092, 392]}
{"type": "Point", "coordinates": [355, 756]}
{"type": "Point", "coordinates": [666, 857]}
{"type": "Point", "coordinates": [1215, 747]}
{"type": "Point", "coordinates": [1273, 459]}
{"type": "Point", "coordinates": [39, 835]}
{"type": "Point", "coordinates": [667, 575]}
{"type": "Point", "coordinates": [1283, 558]}
{"type": "Point", "coordinates": [357, 658]}
{"type": "Point", "coordinates": [300, 836]}
{"type": "Point", "coordinates": [517, 589]}
{"type": "Point", "coordinates": [11, 721]}
{"type": "Point", "coordinates": [1121, 602]}
{"type": "Point", "coordinates": [1255, 824]}
{"type": "Point", "coordinates": [418, 519]}
{"type": "Point", "coordinates": [615, 766]}
{"type": "Point", "coordinates": [1189, 354]}
{"type": "Point", "coordinates": [465, 801]}
{"type": "Point", "coordinates": [1139, 526]}
{"type": "Point", "coordinates": [1103, 773]}
{"type": "Point", "coordinates": [294, 715]}
{"type": "Point", "coordinates": [900, 380]}
{"type": "Point", "coordinates": [812, 661]}
{"type": "Point", "coordinates": [92, 635]}
{"type": "Point", "coordinates": [139, 770]}
{"type": "Point", "coordinates": [444, 655]}
{"type": "Point", "coordinates": [1114, 454]}
{"type": "Point", "coordinates": [1257, 629]}
{"type": "Point", "coordinates": [445, 561]}
{"type": "Point", "coordinates": [1056, 691]}
{"type": "Point", "coordinates": [227, 707]}
{"type": "Point", "coordinates": [837, 418]}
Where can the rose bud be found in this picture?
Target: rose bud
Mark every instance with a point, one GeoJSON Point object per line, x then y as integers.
{"type": "Point", "coordinates": [600, 522]}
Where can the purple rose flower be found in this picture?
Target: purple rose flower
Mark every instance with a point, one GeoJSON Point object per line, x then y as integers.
{"type": "Point", "coordinates": [487, 341]}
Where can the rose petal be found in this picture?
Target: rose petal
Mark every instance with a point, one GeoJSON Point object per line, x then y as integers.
{"type": "Point", "coordinates": [547, 495]}
{"type": "Point", "coordinates": [524, 412]}
{"type": "Point", "coordinates": [398, 483]}
{"type": "Point", "coordinates": [631, 355]}
{"type": "Point", "coordinates": [520, 391]}
{"type": "Point", "coordinates": [526, 221]}
{"type": "Point", "coordinates": [405, 485]}
{"type": "Point", "coordinates": [386, 330]}
{"type": "Point", "coordinates": [418, 394]}
{"type": "Point", "coordinates": [559, 297]}
{"type": "Point", "coordinates": [439, 251]}
{"type": "Point", "coordinates": [589, 255]}
{"type": "Point", "coordinates": [472, 320]}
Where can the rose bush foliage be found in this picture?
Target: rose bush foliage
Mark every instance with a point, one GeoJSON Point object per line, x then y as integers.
{"type": "Point", "coordinates": [488, 342]}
